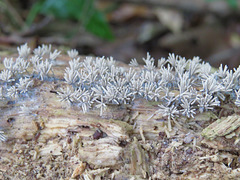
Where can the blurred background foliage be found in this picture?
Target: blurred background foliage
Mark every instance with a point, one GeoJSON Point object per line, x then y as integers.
{"type": "Point", "coordinates": [232, 3]}
{"type": "Point", "coordinates": [79, 10]}
{"type": "Point", "coordinates": [126, 28]}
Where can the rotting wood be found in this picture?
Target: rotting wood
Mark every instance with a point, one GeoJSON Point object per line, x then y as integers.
{"type": "Point", "coordinates": [55, 141]}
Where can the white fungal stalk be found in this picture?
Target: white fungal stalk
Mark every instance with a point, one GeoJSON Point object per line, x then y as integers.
{"type": "Point", "coordinates": [181, 87]}
{"type": "Point", "coordinates": [43, 68]}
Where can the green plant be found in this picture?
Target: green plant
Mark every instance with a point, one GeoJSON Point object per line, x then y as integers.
{"type": "Point", "coordinates": [83, 11]}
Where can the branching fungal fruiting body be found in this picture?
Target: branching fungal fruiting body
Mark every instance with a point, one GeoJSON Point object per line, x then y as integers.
{"type": "Point", "coordinates": [180, 86]}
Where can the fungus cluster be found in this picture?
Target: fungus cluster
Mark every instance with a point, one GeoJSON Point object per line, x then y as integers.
{"type": "Point", "coordinates": [181, 87]}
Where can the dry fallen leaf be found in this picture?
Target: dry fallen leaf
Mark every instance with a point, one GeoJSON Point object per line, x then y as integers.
{"type": "Point", "coordinates": [172, 19]}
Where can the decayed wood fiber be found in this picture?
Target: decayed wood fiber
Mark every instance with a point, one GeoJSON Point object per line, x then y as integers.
{"type": "Point", "coordinates": [55, 141]}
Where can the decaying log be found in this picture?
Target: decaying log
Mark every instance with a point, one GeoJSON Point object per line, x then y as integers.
{"type": "Point", "coordinates": [49, 140]}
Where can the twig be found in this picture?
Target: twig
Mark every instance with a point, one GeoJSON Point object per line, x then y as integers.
{"type": "Point", "coordinates": [37, 27]}
{"type": "Point", "coordinates": [14, 15]}
{"type": "Point", "coordinates": [223, 55]}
